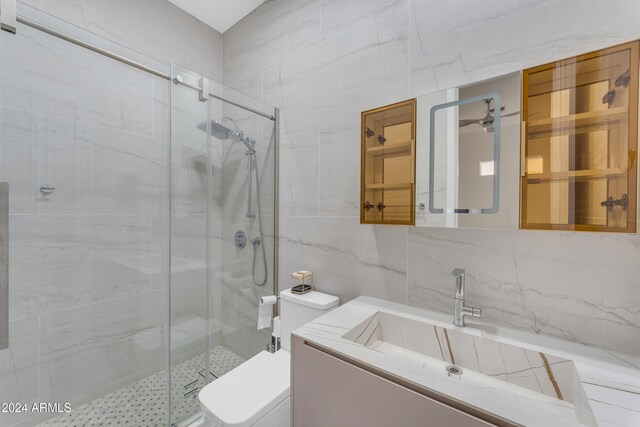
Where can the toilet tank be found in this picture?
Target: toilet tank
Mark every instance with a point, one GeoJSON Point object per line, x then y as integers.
{"type": "Point", "coordinates": [296, 310]}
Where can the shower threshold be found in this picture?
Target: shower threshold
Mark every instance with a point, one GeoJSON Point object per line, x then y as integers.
{"type": "Point", "coordinates": [144, 403]}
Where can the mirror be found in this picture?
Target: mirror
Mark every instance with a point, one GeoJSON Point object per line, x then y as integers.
{"type": "Point", "coordinates": [468, 156]}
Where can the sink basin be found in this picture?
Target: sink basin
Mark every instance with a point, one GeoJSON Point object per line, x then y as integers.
{"type": "Point", "coordinates": [458, 351]}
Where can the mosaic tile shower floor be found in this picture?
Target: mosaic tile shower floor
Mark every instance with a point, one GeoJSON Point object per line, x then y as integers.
{"type": "Point", "coordinates": [144, 404]}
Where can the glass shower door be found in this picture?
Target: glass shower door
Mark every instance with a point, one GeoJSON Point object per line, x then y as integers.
{"type": "Point", "coordinates": [192, 247]}
{"type": "Point", "coordinates": [222, 234]}
{"type": "Point", "coordinates": [84, 147]}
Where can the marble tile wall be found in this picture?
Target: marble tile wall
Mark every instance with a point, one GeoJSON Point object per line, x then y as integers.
{"type": "Point", "coordinates": [324, 61]}
{"type": "Point", "coordinates": [4, 265]}
{"type": "Point", "coordinates": [88, 263]}
{"type": "Point", "coordinates": [157, 29]}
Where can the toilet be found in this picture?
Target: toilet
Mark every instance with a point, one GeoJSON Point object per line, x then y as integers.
{"type": "Point", "coordinates": [257, 393]}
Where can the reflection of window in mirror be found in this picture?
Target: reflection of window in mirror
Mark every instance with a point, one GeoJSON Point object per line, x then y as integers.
{"type": "Point", "coordinates": [487, 168]}
{"type": "Point", "coordinates": [388, 164]}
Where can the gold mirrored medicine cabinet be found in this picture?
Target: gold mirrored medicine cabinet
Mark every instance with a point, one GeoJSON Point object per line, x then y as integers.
{"type": "Point", "coordinates": [579, 142]}
{"type": "Point", "coordinates": [578, 154]}
{"type": "Point", "coordinates": [388, 159]}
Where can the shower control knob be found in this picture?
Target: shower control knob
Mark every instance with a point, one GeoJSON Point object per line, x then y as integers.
{"type": "Point", "coordinates": [240, 239]}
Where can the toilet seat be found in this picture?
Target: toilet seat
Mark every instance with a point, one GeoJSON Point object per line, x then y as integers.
{"type": "Point", "coordinates": [247, 393]}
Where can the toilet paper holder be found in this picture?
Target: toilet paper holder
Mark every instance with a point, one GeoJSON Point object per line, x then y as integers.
{"type": "Point", "coordinates": [265, 311]}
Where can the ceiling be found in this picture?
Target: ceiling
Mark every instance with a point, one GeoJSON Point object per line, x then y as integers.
{"type": "Point", "coordinates": [219, 14]}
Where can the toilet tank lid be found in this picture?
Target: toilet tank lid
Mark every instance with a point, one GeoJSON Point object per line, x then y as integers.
{"type": "Point", "coordinates": [247, 393]}
{"type": "Point", "coordinates": [311, 299]}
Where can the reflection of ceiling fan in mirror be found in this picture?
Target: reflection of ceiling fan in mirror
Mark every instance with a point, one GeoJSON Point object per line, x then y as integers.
{"type": "Point", "coordinates": [487, 121]}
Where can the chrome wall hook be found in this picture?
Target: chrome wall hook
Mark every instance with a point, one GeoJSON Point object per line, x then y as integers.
{"type": "Point", "coordinates": [47, 189]}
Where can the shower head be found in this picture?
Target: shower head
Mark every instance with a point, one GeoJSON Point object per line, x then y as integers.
{"type": "Point", "coordinates": [222, 132]}
{"type": "Point", "coordinates": [219, 130]}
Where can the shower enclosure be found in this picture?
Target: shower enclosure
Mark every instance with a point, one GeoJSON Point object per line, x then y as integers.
{"type": "Point", "coordinates": [141, 229]}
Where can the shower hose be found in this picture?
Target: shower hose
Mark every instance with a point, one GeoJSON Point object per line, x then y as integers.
{"type": "Point", "coordinates": [254, 162]}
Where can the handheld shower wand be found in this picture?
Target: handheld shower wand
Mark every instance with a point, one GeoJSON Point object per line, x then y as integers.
{"type": "Point", "coordinates": [222, 132]}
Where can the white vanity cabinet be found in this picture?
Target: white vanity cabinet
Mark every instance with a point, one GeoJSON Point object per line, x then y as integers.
{"type": "Point", "coordinates": [330, 391]}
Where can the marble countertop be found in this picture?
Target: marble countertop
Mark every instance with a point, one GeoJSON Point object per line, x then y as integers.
{"type": "Point", "coordinates": [607, 393]}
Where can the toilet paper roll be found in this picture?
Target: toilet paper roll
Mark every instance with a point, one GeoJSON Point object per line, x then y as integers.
{"type": "Point", "coordinates": [265, 312]}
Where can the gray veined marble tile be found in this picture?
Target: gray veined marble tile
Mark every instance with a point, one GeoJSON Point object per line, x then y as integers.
{"type": "Point", "coordinates": [272, 31]}
{"type": "Point", "coordinates": [19, 368]}
{"type": "Point", "coordinates": [65, 261]}
{"type": "Point", "coordinates": [92, 350]}
{"type": "Point", "coordinates": [245, 61]}
{"type": "Point", "coordinates": [306, 23]}
{"type": "Point", "coordinates": [423, 78]}
{"type": "Point", "coordinates": [453, 45]}
{"type": "Point", "coordinates": [19, 362]}
{"type": "Point", "coordinates": [339, 180]}
{"type": "Point", "coordinates": [270, 15]}
{"type": "Point", "coordinates": [250, 86]}
{"type": "Point", "coordinates": [193, 153]}
{"type": "Point", "coordinates": [59, 79]}
{"type": "Point", "coordinates": [240, 312]}
{"type": "Point", "coordinates": [325, 83]}
{"type": "Point", "coordinates": [272, 87]}
{"type": "Point", "coordinates": [340, 18]}
{"type": "Point", "coordinates": [347, 259]}
{"type": "Point", "coordinates": [299, 173]}
{"type": "Point", "coordinates": [161, 110]}
{"type": "Point", "coordinates": [101, 171]}
{"type": "Point", "coordinates": [129, 24]}
{"type": "Point", "coordinates": [19, 137]}
{"type": "Point", "coordinates": [549, 283]}
{"type": "Point", "coordinates": [4, 265]}
{"type": "Point", "coordinates": [257, 40]}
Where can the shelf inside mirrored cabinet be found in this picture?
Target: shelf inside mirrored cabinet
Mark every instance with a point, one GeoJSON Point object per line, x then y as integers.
{"type": "Point", "coordinates": [574, 123]}
{"type": "Point", "coordinates": [580, 136]}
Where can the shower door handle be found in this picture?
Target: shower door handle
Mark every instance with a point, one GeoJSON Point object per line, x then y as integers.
{"type": "Point", "coordinates": [4, 265]}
